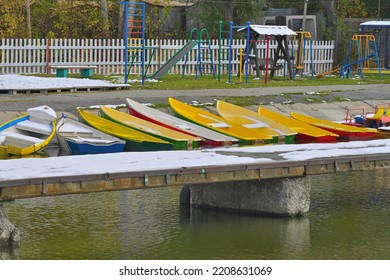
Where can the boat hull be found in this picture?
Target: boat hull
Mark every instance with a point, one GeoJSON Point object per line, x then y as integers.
{"type": "Point", "coordinates": [22, 142]}
{"type": "Point", "coordinates": [256, 122]}
{"type": "Point", "coordinates": [135, 140]}
{"type": "Point", "coordinates": [180, 141]}
{"type": "Point", "coordinates": [216, 123]}
{"type": "Point", "coordinates": [306, 133]}
{"type": "Point", "coordinates": [346, 132]}
{"type": "Point", "coordinates": [208, 136]}
{"type": "Point", "coordinates": [78, 139]}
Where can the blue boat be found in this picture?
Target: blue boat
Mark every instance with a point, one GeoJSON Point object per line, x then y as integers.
{"type": "Point", "coordinates": [77, 138]}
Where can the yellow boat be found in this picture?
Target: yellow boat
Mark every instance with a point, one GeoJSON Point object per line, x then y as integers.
{"type": "Point", "coordinates": [135, 140]}
{"type": "Point", "coordinates": [217, 123]}
{"type": "Point", "coordinates": [347, 132]}
{"type": "Point", "coordinates": [28, 134]}
{"type": "Point", "coordinates": [306, 132]}
{"type": "Point", "coordinates": [180, 141]}
{"type": "Point", "coordinates": [255, 122]}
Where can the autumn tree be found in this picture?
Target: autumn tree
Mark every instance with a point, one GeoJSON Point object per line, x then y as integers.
{"type": "Point", "coordinates": [13, 19]}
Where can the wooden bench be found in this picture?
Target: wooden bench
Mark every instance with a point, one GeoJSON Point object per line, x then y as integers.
{"type": "Point", "coordinates": [86, 71]}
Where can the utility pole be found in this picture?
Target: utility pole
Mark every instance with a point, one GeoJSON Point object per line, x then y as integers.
{"type": "Point", "coordinates": [379, 9]}
{"type": "Point", "coordinates": [304, 15]}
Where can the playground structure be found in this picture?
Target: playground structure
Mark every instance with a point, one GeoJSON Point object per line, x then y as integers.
{"type": "Point", "coordinates": [135, 46]}
{"type": "Point", "coordinates": [204, 52]}
{"type": "Point", "coordinates": [268, 59]}
{"type": "Point", "coordinates": [260, 58]}
{"type": "Point", "coordinates": [261, 62]}
{"type": "Point", "coordinates": [134, 39]}
{"type": "Point", "coordinates": [365, 50]}
{"type": "Point", "coordinates": [300, 40]}
{"type": "Point", "coordinates": [381, 31]}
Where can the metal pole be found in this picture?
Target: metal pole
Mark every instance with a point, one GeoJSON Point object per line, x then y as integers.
{"type": "Point", "coordinates": [304, 15]}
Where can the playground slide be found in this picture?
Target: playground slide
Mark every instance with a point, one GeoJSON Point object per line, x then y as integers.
{"type": "Point", "coordinates": [173, 60]}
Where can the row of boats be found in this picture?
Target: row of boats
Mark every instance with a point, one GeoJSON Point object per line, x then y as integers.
{"type": "Point", "coordinates": [143, 128]}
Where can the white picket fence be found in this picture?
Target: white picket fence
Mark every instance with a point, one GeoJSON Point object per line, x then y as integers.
{"type": "Point", "coordinates": [34, 56]}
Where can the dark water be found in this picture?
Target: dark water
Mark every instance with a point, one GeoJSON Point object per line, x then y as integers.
{"type": "Point", "coordinates": [349, 219]}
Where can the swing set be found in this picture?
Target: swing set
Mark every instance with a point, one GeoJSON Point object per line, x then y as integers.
{"type": "Point", "coordinates": [365, 51]}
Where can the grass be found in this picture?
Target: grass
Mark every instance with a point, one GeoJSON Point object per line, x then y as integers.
{"type": "Point", "coordinates": [176, 82]}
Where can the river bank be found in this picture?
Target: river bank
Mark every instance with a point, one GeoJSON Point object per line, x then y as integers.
{"type": "Point", "coordinates": [329, 102]}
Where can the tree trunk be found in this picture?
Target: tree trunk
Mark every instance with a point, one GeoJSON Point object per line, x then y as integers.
{"type": "Point", "coordinates": [121, 21]}
{"type": "Point", "coordinates": [104, 11]}
{"type": "Point", "coordinates": [330, 8]}
{"type": "Point", "coordinates": [227, 8]}
{"type": "Point", "coordinates": [28, 18]}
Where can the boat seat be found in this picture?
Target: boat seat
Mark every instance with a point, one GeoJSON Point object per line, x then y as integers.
{"type": "Point", "coordinates": [68, 127]}
{"type": "Point", "coordinates": [95, 140]}
{"type": "Point", "coordinates": [35, 127]}
{"type": "Point", "coordinates": [76, 134]}
{"type": "Point", "coordinates": [378, 114]}
{"type": "Point", "coordinates": [19, 140]}
{"type": "Point", "coordinates": [219, 125]}
{"type": "Point", "coordinates": [254, 125]}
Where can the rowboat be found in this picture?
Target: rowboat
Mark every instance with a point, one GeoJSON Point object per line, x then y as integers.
{"type": "Point", "coordinates": [180, 141]}
{"type": "Point", "coordinates": [77, 138]}
{"type": "Point", "coordinates": [209, 137]}
{"type": "Point", "coordinates": [29, 133]}
{"type": "Point", "coordinates": [346, 132]}
{"type": "Point", "coordinates": [255, 122]}
{"type": "Point", "coordinates": [217, 123]}
{"type": "Point", "coordinates": [135, 140]}
{"type": "Point", "coordinates": [306, 132]}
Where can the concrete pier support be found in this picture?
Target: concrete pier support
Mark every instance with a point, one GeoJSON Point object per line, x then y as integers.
{"type": "Point", "coordinates": [278, 197]}
{"type": "Point", "coordinates": [9, 234]}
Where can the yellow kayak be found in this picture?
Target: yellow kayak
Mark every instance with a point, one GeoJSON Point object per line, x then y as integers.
{"type": "Point", "coordinates": [135, 140]}
{"type": "Point", "coordinates": [180, 141]}
{"type": "Point", "coordinates": [347, 132]}
{"type": "Point", "coordinates": [217, 123]}
{"type": "Point", "coordinates": [255, 122]}
{"type": "Point", "coordinates": [306, 132]}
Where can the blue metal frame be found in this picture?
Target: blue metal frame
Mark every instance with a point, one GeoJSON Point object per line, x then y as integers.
{"type": "Point", "coordinates": [247, 48]}
{"type": "Point", "coordinates": [130, 11]}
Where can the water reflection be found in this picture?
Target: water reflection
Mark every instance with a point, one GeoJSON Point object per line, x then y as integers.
{"type": "Point", "coordinates": [349, 219]}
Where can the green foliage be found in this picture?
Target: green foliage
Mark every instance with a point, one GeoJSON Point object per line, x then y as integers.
{"type": "Point", "coordinates": [155, 19]}
{"type": "Point", "coordinates": [211, 12]}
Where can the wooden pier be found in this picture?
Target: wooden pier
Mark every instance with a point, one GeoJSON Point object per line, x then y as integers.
{"type": "Point", "coordinates": [276, 187]}
{"type": "Point", "coordinates": [62, 185]}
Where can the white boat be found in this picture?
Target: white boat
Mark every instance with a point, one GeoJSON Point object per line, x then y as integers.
{"type": "Point", "coordinates": [77, 138]}
{"type": "Point", "coordinates": [29, 133]}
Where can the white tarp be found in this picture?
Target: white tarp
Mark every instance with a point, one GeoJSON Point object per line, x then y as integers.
{"type": "Point", "coordinates": [375, 23]}
{"type": "Point", "coordinates": [270, 30]}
